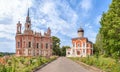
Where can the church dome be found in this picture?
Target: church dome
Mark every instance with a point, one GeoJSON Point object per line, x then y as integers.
{"type": "Point", "coordinates": [80, 30]}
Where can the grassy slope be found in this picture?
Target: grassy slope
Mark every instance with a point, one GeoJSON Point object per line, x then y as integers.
{"type": "Point", "coordinates": [106, 64]}
{"type": "Point", "coordinates": [23, 64]}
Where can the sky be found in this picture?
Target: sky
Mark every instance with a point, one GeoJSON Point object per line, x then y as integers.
{"type": "Point", "coordinates": [64, 17]}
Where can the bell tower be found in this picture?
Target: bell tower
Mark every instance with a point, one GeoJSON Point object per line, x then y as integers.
{"type": "Point", "coordinates": [49, 31]}
{"type": "Point", "coordinates": [19, 25]}
{"type": "Point", "coordinates": [80, 32]}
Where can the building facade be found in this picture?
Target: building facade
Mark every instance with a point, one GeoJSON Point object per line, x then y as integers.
{"type": "Point", "coordinates": [81, 46]}
{"type": "Point", "coordinates": [30, 43]}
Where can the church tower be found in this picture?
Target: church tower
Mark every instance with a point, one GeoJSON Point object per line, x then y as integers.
{"type": "Point", "coordinates": [28, 22]}
{"type": "Point", "coordinates": [19, 25]}
{"type": "Point", "coordinates": [80, 32]}
{"type": "Point", "coordinates": [49, 31]}
{"type": "Point", "coordinates": [28, 29]}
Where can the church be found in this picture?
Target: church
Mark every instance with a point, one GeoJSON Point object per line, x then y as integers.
{"type": "Point", "coordinates": [30, 43]}
{"type": "Point", "coordinates": [81, 46]}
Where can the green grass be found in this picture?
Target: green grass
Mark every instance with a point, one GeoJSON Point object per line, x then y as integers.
{"type": "Point", "coordinates": [106, 64]}
{"type": "Point", "coordinates": [23, 64]}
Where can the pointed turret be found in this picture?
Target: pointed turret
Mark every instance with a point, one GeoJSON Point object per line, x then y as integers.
{"type": "Point", "coordinates": [28, 12]}
{"type": "Point", "coordinates": [28, 22]}
{"type": "Point", "coordinates": [19, 26]}
{"type": "Point", "coordinates": [49, 31]}
{"type": "Point", "coordinates": [28, 18]}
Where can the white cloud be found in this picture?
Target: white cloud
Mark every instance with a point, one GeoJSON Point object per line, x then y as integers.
{"type": "Point", "coordinates": [97, 19]}
{"type": "Point", "coordinates": [56, 14]}
{"type": "Point", "coordinates": [15, 9]}
{"type": "Point", "coordinates": [88, 25]}
{"type": "Point", "coordinates": [9, 28]}
{"type": "Point", "coordinates": [86, 4]}
{"type": "Point", "coordinates": [60, 17]}
{"type": "Point", "coordinates": [11, 11]}
{"type": "Point", "coordinates": [91, 35]}
{"type": "Point", "coordinates": [7, 46]}
{"type": "Point", "coordinates": [7, 36]}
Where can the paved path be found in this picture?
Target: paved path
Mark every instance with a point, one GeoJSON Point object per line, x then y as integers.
{"type": "Point", "coordinates": [63, 64]}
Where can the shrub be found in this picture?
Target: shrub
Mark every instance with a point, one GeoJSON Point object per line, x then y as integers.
{"type": "Point", "coordinates": [23, 64]}
{"type": "Point", "coordinates": [106, 64]}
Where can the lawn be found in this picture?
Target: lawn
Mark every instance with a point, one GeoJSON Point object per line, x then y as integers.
{"type": "Point", "coordinates": [23, 64]}
{"type": "Point", "coordinates": [106, 64]}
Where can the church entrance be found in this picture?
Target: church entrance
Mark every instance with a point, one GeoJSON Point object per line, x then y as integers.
{"type": "Point", "coordinates": [78, 52]}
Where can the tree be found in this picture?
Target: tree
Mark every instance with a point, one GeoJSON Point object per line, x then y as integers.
{"type": "Point", "coordinates": [110, 29]}
{"type": "Point", "coordinates": [98, 46]}
{"type": "Point", "coordinates": [56, 46]}
{"type": "Point", "coordinates": [1, 54]}
{"type": "Point", "coordinates": [63, 50]}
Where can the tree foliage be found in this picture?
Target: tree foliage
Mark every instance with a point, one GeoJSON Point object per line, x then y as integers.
{"type": "Point", "coordinates": [5, 53]}
{"type": "Point", "coordinates": [56, 46]}
{"type": "Point", "coordinates": [98, 46]}
{"type": "Point", "coordinates": [1, 54]}
{"type": "Point", "coordinates": [63, 50]}
{"type": "Point", "coordinates": [110, 29]}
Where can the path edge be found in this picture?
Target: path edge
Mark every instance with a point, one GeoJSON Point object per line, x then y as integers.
{"type": "Point", "coordinates": [39, 67]}
{"type": "Point", "coordinates": [88, 67]}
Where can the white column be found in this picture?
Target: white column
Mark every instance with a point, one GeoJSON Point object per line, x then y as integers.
{"type": "Point", "coordinates": [75, 50]}
{"type": "Point", "coordinates": [26, 52]}
{"type": "Point", "coordinates": [82, 49]}
{"type": "Point", "coordinates": [85, 49]}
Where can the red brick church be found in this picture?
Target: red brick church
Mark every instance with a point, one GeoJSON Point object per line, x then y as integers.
{"type": "Point", "coordinates": [81, 46]}
{"type": "Point", "coordinates": [30, 43]}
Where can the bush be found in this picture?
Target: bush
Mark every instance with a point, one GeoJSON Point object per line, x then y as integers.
{"type": "Point", "coordinates": [106, 64]}
{"type": "Point", "coordinates": [23, 64]}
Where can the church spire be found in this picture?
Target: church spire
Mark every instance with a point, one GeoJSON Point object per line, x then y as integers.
{"type": "Point", "coordinates": [28, 12]}
{"type": "Point", "coordinates": [28, 18]}
{"type": "Point", "coordinates": [28, 22]}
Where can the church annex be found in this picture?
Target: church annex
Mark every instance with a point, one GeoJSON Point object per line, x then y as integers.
{"type": "Point", "coordinates": [30, 43]}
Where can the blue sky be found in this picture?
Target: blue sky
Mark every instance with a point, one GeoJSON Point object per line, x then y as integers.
{"type": "Point", "coordinates": [64, 17]}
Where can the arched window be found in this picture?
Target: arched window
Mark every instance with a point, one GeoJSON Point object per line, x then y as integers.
{"type": "Point", "coordinates": [83, 50]}
{"type": "Point", "coordinates": [68, 53]}
{"type": "Point", "coordinates": [83, 45]}
{"type": "Point", "coordinates": [51, 46]}
{"type": "Point", "coordinates": [18, 44]}
{"type": "Point", "coordinates": [41, 45]}
{"type": "Point", "coordinates": [78, 45]}
{"type": "Point", "coordinates": [73, 45]}
{"type": "Point", "coordinates": [24, 44]}
{"type": "Point", "coordinates": [87, 45]}
{"type": "Point", "coordinates": [46, 45]}
{"type": "Point", "coordinates": [28, 26]}
{"type": "Point", "coordinates": [78, 52]}
{"type": "Point", "coordinates": [29, 45]}
{"type": "Point", "coordinates": [37, 45]}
